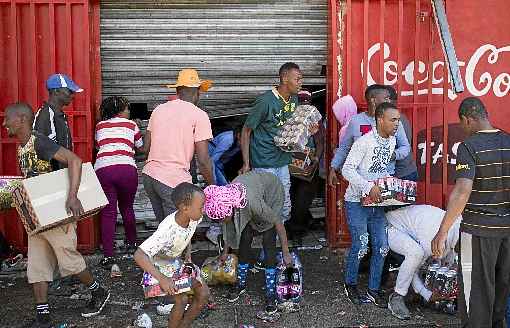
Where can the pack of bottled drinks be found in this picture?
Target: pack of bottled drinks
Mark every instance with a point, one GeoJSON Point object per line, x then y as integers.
{"type": "Point", "coordinates": [394, 191]}
{"type": "Point", "coordinates": [289, 280]}
{"type": "Point", "coordinates": [442, 281]}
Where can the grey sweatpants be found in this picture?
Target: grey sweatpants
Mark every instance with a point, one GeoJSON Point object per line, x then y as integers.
{"type": "Point", "coordinates": [415, 256]}
{"type": "Point", "coordinates": [160, 196]}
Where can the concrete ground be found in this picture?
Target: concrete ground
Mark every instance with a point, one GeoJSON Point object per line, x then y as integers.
{"type": "Point", "coordinates": [324, 304]}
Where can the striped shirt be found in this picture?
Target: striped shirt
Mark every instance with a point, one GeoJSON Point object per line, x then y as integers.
{"type": "Point", "coordinates": [116, 139]}
{"type": "Point", "coordinates": [485, 159]}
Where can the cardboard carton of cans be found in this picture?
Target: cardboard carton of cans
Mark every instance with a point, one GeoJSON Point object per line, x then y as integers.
{"type": "Point", "coordinates": [293, 135]}
{"type": "Point", "coordinates": [394, 191]}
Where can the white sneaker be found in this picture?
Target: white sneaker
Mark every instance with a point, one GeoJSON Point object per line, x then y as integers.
{"type": "Point", "coordinates": [166, 309]}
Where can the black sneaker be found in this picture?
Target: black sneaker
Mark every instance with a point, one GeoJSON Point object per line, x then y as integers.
{"type": "Point", "coordinates": [41, 321]}
{"type": "Point", "coordinates": [131, 249]}
{"type": "Point", "coordinates": [351, 291]}
{"type": "Point", "coordinates": [271, 307]}
{"type": "Point", "coordinates": [234, 293]}
{"type": "Point", "coordinates": [107, 262]}
{"type": "Point", "coordinates": [97, 303]}
{"type": "Point", "coordinates": [378, 298]}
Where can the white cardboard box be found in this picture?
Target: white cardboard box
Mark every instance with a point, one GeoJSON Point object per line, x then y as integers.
{"type": "Point", "coordinates": [40, 201]}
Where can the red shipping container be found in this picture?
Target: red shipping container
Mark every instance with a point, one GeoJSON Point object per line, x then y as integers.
{"type": "Point", "coordinates": [396, 43]}
{"type": "Point", "coordinates": [37, 39]}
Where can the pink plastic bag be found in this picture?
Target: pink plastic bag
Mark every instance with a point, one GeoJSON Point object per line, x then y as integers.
{"type": "Point", "coordinates": [344, 109]}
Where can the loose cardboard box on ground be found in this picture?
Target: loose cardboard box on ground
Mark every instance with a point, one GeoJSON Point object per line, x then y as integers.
{"type": "Point", "coordinates": [40, 201]}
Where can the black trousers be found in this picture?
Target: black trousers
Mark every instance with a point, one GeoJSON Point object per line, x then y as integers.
{"type": "Point", "coordinates": [483, 290]}
{"type": "Point", "coordinates": [268, 243]}
{"type": "Point", "coordinates": [302, 194]}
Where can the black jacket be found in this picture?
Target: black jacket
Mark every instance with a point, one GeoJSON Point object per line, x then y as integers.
{"type": "Point", "coordinates": [53, 124]}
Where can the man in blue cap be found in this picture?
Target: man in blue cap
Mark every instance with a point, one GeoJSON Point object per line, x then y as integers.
{"type": "Point", "coordinates": [50, 120]}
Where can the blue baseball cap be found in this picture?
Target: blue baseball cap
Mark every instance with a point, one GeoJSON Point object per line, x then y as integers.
{"type": "Point", "coordinates": [57, 81]}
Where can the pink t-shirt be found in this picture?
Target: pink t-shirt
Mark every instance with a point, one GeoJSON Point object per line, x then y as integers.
{"type": "Point", "coordinates": [175, 126]}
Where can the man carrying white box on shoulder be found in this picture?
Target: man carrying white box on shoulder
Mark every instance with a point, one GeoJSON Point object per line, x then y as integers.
{"type": "Point", "coordinates": [58, 245]}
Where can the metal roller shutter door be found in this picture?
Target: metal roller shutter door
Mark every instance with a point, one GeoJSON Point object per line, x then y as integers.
{"type": "Point", "coordinates": [238, 44]}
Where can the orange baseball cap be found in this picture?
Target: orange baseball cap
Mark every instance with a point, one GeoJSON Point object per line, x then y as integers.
{"type": "Point", "coordinates": [188, 77]}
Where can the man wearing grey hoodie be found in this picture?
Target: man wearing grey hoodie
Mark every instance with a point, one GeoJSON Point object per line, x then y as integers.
{"type": "Point", "coordinates": [363, 123]}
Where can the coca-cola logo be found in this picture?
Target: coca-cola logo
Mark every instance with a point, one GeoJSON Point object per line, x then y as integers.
{"type": "Point", "coordinates": [478, 82]}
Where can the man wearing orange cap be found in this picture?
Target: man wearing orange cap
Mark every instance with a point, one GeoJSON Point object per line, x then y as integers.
{"type": "Point", "coordinates": [177, 130]}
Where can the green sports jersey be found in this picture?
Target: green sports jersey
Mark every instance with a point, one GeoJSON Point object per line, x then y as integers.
{"type": "Point", "coordinates": [269, 113]}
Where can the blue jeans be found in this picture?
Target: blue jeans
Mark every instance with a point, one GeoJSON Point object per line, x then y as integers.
{"type": "Point", "coordinates": [283, 174]}
{"type": "Point", "coordinates": [365, 222]}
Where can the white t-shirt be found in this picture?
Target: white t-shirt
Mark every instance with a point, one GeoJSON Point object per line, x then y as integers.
{"type": "Point", "coordinates": [170, 240]}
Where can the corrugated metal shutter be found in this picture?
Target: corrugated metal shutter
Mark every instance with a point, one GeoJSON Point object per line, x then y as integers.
{"type": "Point", "coordinates": [240, 45]}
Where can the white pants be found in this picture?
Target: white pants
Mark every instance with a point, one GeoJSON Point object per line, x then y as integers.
{"type": "Point", "coordinates": [415, 256]}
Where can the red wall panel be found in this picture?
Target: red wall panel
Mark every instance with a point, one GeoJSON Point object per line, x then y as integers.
{"type": "Point", "coordinates": [39, 38]}
{"type": "Point", "coordinates": [396, 43]}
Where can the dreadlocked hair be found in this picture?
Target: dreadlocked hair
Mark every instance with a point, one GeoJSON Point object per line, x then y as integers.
{"type": "Point", "coordinates": [112, 106]}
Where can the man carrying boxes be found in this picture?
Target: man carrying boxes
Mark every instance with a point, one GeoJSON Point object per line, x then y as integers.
{"type": "Point", "coordinates": [58, 245]}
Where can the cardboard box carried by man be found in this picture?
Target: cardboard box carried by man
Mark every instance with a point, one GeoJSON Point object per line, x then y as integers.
{"type": "Point", "coordinates": [40, 201]}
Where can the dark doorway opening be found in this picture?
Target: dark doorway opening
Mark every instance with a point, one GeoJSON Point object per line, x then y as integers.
{"type": "Point", "coordinates": [139, 111]}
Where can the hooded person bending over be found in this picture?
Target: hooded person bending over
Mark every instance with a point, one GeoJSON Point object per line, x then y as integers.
{"type": "Point", "coordinates": [251, 206]}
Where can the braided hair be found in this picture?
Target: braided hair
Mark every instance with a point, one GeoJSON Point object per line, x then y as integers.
{"type": "Point", "coordinates": [112, 106]}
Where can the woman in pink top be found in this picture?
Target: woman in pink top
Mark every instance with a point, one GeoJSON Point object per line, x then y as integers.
{"type": "Point", "coordinates": [117, 137]}
{"type": "Point", "coordinates": [344, 108]}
